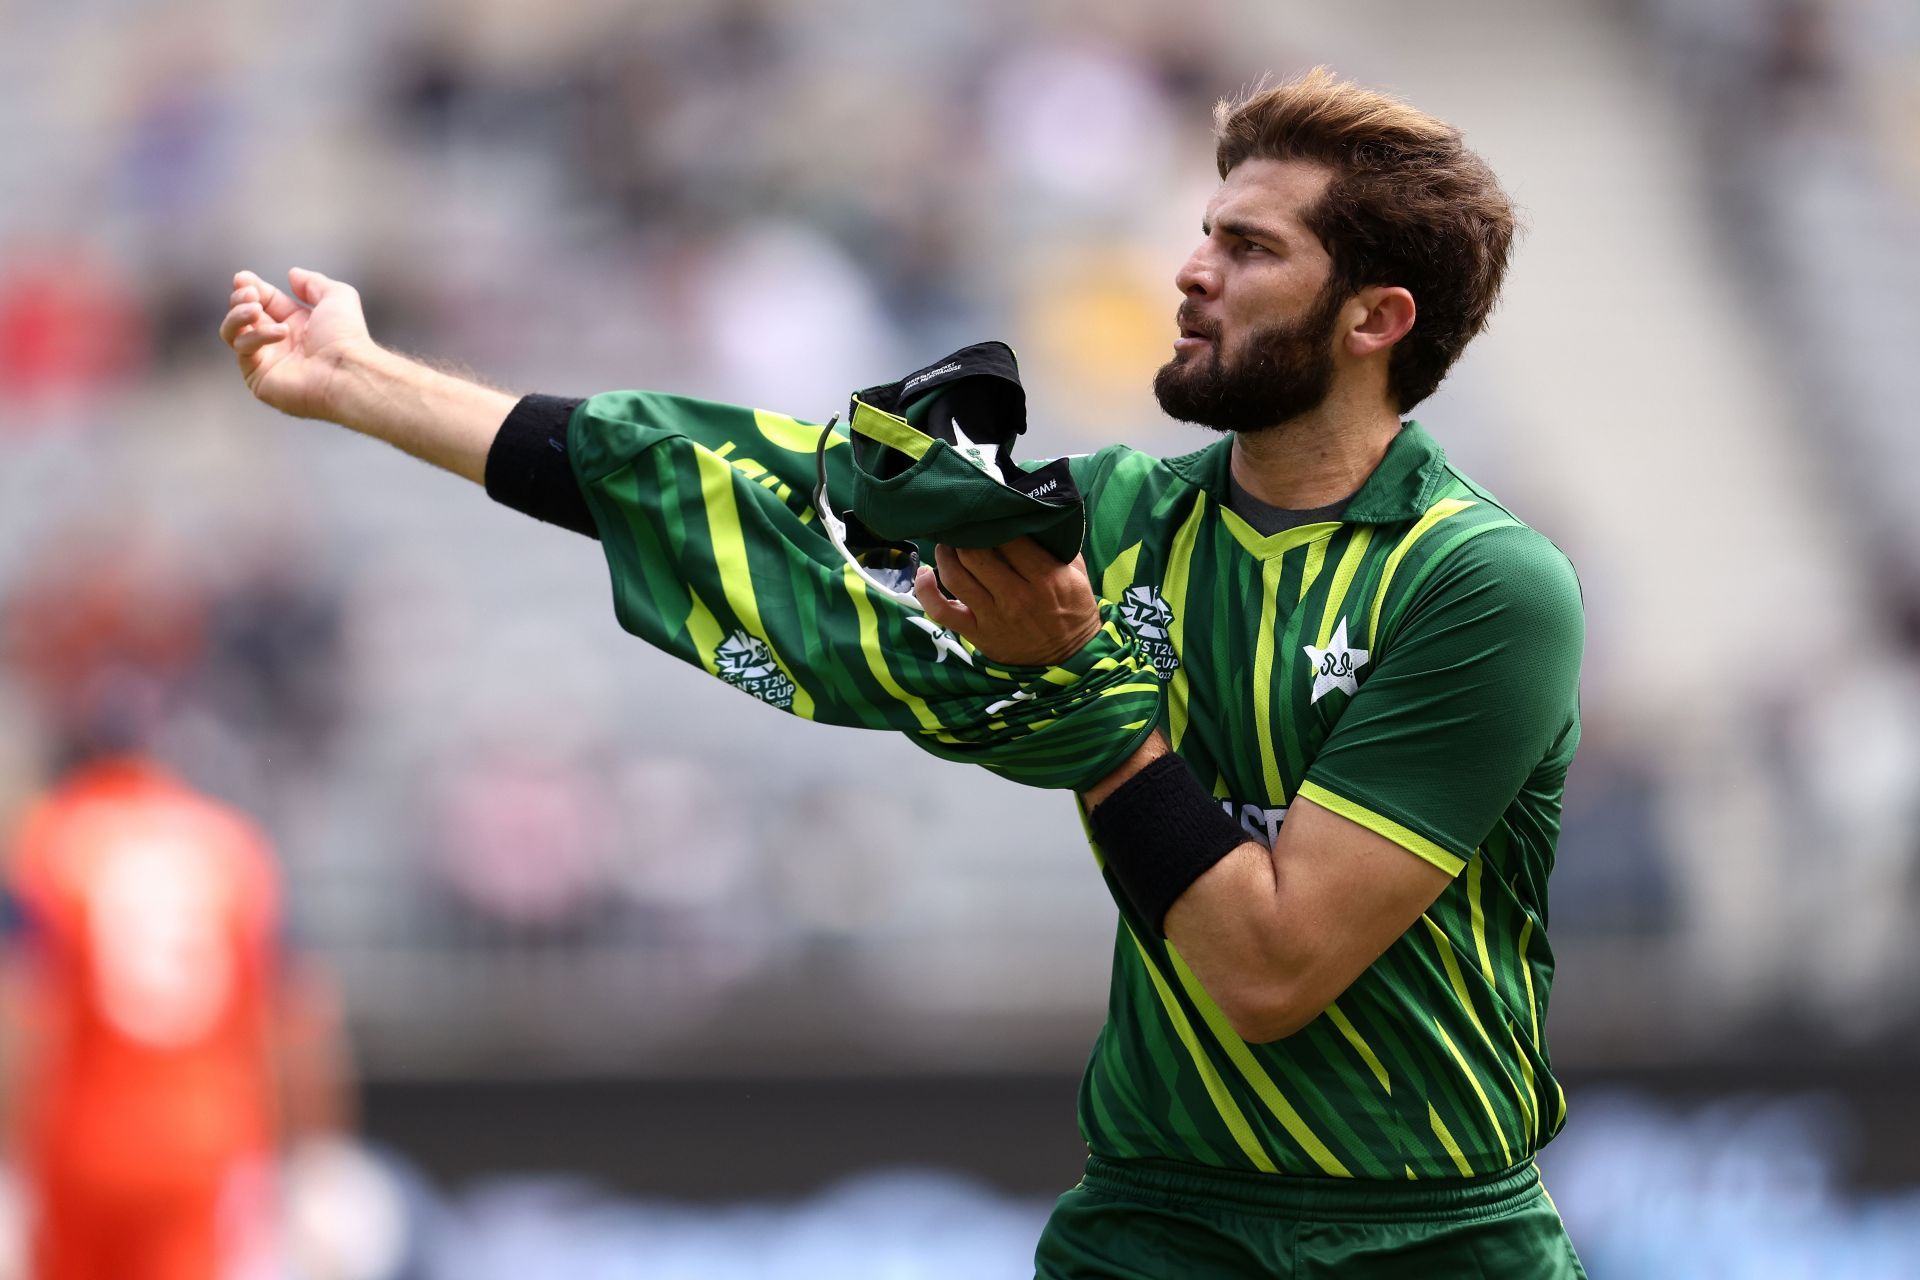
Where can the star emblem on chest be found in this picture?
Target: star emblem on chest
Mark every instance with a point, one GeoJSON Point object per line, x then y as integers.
{"type": "Point", "coordinates": [1335, 666]}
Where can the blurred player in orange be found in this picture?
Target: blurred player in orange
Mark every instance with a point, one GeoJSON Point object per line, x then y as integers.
{"type": "Point", "coordinates": [165, 1047]}
{"type": "Point", "coordinates": [161, 1044]}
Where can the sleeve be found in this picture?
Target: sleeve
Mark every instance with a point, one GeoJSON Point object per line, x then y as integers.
{"type": "Point", "coordinates": [1477, 686]}
{"type": "Point", "coordinates": [705, 515]}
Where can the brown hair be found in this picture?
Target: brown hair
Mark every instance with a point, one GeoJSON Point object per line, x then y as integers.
{"type": "Point", "coordinates": [1408, 205]}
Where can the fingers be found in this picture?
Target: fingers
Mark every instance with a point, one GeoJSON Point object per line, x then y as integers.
{"type": "Point", "coordinates": [957, 574]}
{"type": "Point", "coordinates": [248, 287]}
{"type": "Point", "coordinates": [310, 286]}
{"type": "Point", "coordinates": [1028, 558]}
{"type": "Point", "coordinates": [950, 614]}
{"type": "Point", "coordinates": [259, 336]}
{"type": "Point", "coordinates": [238, 318]}
{"type": "Point", "coordinates": [992, 570]}
{"type": "Point", "coordinates": [247, 324]}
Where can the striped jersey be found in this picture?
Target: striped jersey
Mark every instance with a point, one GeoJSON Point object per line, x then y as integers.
{"type": "Point", "coordinates": [1412, 666]}
{"type": "Point", "coordinates": [705, 515]}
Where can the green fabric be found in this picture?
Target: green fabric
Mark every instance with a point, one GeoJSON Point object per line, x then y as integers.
{"type": "Point", "coordinates": [1414, 666]}
{"type": "Point", "coordinates": [943, 497]}
{"type": "Point", "coordinates": [717, 557]}
{"type": "Point", "coordinates": [1164, 1222]}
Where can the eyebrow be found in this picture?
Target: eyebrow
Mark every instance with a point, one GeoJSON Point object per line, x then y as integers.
{"type": "Point", "coordinates": [1245, 230]}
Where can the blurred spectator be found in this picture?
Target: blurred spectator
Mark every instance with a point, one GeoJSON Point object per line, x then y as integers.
{"type": "Point", "coordinates": [521, 838]}
{"type": "Point", "coordinates": [162, 1045]}
{"type": "Point", "coordinates": [70, 329]}
{"type": "Point", "coordinates": [104, 624]}
{"type": "Point", "coordinates": [273, 668]}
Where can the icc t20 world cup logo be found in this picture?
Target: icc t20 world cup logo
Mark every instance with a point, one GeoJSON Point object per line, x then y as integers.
{"type": "Point", "coordinates": [1151, 619]}
{"type": "Point", "coordinates": [744, 661]}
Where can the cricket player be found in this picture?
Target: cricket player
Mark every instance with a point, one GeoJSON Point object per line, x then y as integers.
{"type": "Point", "coordinates": [161, 1047]}
{"type": "Point", "coordinates": [1329, 835]}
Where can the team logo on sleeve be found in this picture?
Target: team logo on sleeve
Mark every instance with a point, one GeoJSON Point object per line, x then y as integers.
{"type": "Point", "coordinates": [944, 641]}
{"type": "Point", "coordinates": [745, 662]}
{"type": "Point", "coordinates": [1336, 666]}
{"type": "Point", "coordinates": [1151, 620]}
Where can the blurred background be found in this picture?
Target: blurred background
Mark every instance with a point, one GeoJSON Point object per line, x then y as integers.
{"type": "Point", "coordinates": [642, 979]}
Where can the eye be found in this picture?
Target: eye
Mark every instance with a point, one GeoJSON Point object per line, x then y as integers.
{"type": "Point", "coordinates": [1254, 246]}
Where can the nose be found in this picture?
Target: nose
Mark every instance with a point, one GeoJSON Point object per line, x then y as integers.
{"type": "Point", "coordinates": [1198, 277]}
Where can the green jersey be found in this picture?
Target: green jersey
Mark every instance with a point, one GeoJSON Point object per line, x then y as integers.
{"type": "Point", "coordinates": [1414, 668]}
{"type": "Point", "coordinates": [705, 514]}
{"type": "Point", "coordinates": [1411, 666]}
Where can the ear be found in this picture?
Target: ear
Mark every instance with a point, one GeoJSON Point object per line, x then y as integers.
{"type": "Point", "coordinates": [1388, 316]}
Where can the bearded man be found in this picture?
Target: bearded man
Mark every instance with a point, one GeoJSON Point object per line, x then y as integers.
{"type": "Point", "coordinates": [1329, 838]}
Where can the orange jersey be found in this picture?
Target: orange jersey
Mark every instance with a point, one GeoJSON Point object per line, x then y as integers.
{"type": "Point", "coordinates": [151, 917]}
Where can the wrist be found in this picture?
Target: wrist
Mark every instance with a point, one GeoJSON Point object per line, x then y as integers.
{"type": "Point", "coordinates": [363, 378]}
{"type": "Point", "coordinates": [1159, 832]}
{"type": "Point", "coordinates": [1145, 754]}
{"type": "Point", "coordinates": [1085, 638]}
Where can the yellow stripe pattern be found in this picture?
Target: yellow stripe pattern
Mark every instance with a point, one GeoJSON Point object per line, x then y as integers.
{"type": "Point", "coordinates": [1119, 574]}
{"type": "Point", "coordinates": [1223, 1102]}
{"type": "Point", "coordinates": [1526, 971]}
{"type": "Point", "coordinates": [1263, 680]}
{"type": "Point", "coordinates": [1316, 557]}
{"type": "Point", "coordinates": [876, 657]}
{"type": "Point", "coordinates": [730, 556]}
{"type": "Point", "coordinates": [1478, 915]}
{"type": "Point", "coordinates": [1352, 1034]}
{"type": "Point", "coordinates": [1459, 984]}
{"type": "Point", "coordinates": [1493, 1117]}
{"type": "Point", "coordinates": [1343, 579]}
{"type": "Point", "coordinates": [1408, 839]}
{"type": "Point", "coordinates": [1254, 1074]}
{"type": "Point", "coordinates": [1441, 1132]}
{"type": "Point", "coordinates": [792, 434]}
{"type": "Point", "coordinates": [1441, 510]}
{"type": "Point", "coordinates": [1173, 591]}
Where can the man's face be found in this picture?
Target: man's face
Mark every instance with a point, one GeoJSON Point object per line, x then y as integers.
{"type": "Point", "coordinates": [1256, 327]}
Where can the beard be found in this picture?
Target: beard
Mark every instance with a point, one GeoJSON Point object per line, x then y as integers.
{"type": "Point", "coordinates": [1279, 372]}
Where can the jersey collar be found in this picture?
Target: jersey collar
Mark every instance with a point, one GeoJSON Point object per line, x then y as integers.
{"type": "Point", "coordinates": [1401, 488]}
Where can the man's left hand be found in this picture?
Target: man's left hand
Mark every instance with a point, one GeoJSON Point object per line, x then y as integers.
{"type": "Point", "coordinates": [1015, 602]}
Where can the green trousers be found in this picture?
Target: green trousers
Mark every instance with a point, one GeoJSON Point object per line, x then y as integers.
{"type": "Point", "coordinates": [1160, 1220]}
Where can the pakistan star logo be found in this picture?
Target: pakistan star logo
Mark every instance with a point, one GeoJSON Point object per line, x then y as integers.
{"type": "Point", "coordinates": [1335, 665]}
{"type": "Point", "coordinates": [744, 661]}
{"type": "Point", "coordinates": [977, 454]}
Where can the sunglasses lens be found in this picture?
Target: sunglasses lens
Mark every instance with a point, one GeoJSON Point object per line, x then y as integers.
{"type": "Point", "coordinates": [892, 568]}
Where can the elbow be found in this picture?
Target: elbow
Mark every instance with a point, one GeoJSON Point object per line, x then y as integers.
{"type": "Point", "coordinates": [1266, 1014]}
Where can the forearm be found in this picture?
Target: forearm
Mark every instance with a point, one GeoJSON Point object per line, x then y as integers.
{"type": "Point", "coordinates": [1273, 934]}
{"type": "Point", "coordinates": [1169, 845]}
{"type": "Point", "coordinates": [438, 418]}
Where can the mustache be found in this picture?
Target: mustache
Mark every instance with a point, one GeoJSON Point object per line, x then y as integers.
{"type": "Point", "coordinates": [1189, 319]}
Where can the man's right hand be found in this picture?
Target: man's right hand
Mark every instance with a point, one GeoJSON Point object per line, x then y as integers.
{"type": "Point", "coordinates": [293, 347]}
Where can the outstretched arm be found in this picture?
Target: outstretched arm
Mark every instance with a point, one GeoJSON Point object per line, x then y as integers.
{"type": "Point", "coordinates": [308, 353]}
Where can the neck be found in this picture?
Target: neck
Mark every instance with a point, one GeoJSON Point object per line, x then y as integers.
{"type": "Point", "coordinates": [1319, 457]}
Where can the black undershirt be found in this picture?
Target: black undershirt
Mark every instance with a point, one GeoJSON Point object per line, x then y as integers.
{"type": "Point", "coordinates": [1268, 520]}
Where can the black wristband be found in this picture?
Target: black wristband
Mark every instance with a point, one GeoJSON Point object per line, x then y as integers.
{"type": "Point", "coordinates": [1159, 832]}
{"type": "Point", "coordinates": [528, 468]}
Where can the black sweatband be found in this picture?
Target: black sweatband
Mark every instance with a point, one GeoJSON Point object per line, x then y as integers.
{"type": "Point", "coordinates": [528, 468]}
{"type": "Point", "coordinates": [1159, 832]}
